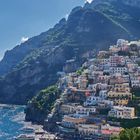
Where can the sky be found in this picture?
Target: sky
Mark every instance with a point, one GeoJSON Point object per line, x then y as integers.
{"type": "Point", "coordinates": [22, 19]}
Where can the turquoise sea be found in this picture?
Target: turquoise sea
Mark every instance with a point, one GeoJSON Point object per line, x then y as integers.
{"type": "Point", "coordinates": [11, 121]}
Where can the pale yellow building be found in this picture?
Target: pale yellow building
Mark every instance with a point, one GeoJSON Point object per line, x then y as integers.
{"type": "Point", "coordinates": [122, 87]}
{"type": "Point", "coordinates": [122, 112]}
{"type": "Point", "coordinates": [120, 95]}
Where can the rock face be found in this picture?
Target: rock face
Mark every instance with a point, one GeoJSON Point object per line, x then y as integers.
{"type": "Point", "coordinates": [41, 105]}
{"type": "Point", "coordinates": [134, 3]}
{"type": "Point", "coordinates": [17, 54]}
{"type": "Point", "coordinates": [125, 13]}
{"type": "Point", "coordinates": [22, 84]}
{"type": "Point", "coordinates": [33, 65]}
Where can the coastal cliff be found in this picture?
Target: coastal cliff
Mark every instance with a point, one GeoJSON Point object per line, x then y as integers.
{"type": "Point", "coordinates": [41, 105]}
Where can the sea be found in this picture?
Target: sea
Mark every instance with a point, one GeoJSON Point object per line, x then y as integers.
{"type": "Point", "coordinates": [12, 121]}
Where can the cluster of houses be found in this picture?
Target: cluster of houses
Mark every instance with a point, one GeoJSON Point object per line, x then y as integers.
{"type": "Point", "coordinates": [101, 89]}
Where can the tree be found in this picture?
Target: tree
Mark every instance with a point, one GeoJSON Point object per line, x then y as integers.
{"type": "Point", "coordinates": [128, 134]}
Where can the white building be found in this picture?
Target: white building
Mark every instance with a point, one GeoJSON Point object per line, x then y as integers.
{"type": "Point", "coordinates": [103, 94]}
{"type": "Point", "coordinates": [121, 70]}
{"type": "Point", "coordinates": [68, 108]}
{"type": "Point", "coordinates": [80, 110]}
{"type": "Point", "coordinates": [93, 100]}
{"type": "Point", "coordinates": [122, 112]}
{"type": "Point", "coordinates": [88, 129]}
{"type": "Point", "coordinates": [135, 82]}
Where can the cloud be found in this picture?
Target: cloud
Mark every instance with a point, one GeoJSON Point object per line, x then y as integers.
{"type": "Point", "coordinates": [66, 16]}
{"type": "Point", "coordinates": [89, 1]}
{"type": "Point", "coordinates": [24, 39]}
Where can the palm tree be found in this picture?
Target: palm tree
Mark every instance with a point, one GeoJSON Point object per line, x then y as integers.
{"type": "Point", "coordinates": [128, 134]}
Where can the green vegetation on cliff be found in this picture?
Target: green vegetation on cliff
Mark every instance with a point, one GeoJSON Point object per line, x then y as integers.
{"type": "Point", "coordinates": [41, 105]}
{"type": "Point", "coordinates": [45, 99]}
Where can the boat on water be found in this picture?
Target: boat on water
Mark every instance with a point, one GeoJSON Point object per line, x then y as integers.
{"type": "Point", "coordinates": [25, 137]}
{"type": "Point", "coordinates": [27, 129]}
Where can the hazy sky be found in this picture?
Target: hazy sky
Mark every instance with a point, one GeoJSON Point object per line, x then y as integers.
{"type": "Point", "coordinates": [20, 19]}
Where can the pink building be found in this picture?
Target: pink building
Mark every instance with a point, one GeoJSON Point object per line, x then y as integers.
{"type": "Point", "coordinates": [116, 60]}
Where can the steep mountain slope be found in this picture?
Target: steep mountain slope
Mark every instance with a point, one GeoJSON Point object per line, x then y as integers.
{"type": "Point", "coordinates": [17, 54]}
{"type": "Point", "coordinates": [133, 3]}
{"type": "Point", "coordinates": [125, 13]}
{"type": "Point", "coordinates": [37, 61]}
